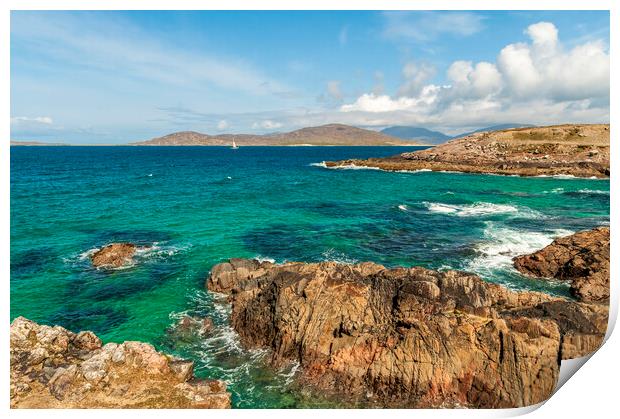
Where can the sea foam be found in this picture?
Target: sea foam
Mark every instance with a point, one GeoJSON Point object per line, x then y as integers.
{"type": "Point", "coordinates": [476, 210]}
{"type": "Point", "coordinates": [502, 244]}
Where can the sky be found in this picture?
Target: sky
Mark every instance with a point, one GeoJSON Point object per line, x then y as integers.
{"type": "Point", "coordinates": [116, 77]}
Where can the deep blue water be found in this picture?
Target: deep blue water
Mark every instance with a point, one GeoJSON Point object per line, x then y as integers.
{"type": "Point", "coordinates": [198, 206]}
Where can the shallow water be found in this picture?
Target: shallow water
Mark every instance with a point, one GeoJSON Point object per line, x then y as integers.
{"type": "Point", "coordinates": [197, 206]}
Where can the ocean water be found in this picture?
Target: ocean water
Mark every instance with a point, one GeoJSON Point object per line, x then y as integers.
{"type": "Point", "coordinates": [197, 206]}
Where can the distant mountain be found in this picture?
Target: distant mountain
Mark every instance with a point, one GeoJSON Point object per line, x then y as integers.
{"type": "Point", "coordinates": [427, 136]}
{"type": "Point", "coordinates": [418, 134]}
{"type": "Point", "coordinates": [494, 128]}
{"type": "Point", "coordinates": [331, 134]}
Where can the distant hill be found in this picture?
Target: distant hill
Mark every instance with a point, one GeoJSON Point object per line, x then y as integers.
{"type": "Point", "coordinates": [331, 134]}
{"type": "Point", "coordinates": [32, 143]}
{"type": "Point", "coordinates": [417, 134]}
{"type": "Point", "coordinates": [499, 127]}
{"type": "Point", "coordinates": [427, 136]}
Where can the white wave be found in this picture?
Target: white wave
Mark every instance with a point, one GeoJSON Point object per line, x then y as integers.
{"type": "Point", "coordinates": [409, 171]}
{"type": "Point", "coordinates": [561, 176]}
{"type": "Point", "coordinates": [87, 254]}
{"type": "Point", "coordinates": [502, 244]}
{"type": "Point", "coordinates": [556, 191]}
{"type": "Point", "coordinates": [159, 251]}
{"type": "Point", "coordinates": [150, 175]}
{"type": "Point", "coordinates": [403, 208]}
{"type": "Point", "coordinates": [353, 167]}
{"type": "Point", "coordinates": [479, 209]}
{"type": "Point", "coordinates": [321, 164]}
{"type": "Point", "coordinates": [261, 258]}
{"type": "Point", "coordinates": [593, 192]}
{"type": "Point", "coordinates": [335, 256]}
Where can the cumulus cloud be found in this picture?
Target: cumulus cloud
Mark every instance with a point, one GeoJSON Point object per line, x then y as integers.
{"type": "Point", "coordinates": [267, 124]}
{"type": "Point", "coordinates": [539, 81]}
{"type": "Point", "coordinates": [415, 75]}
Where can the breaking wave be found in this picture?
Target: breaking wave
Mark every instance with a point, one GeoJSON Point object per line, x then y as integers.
{"type": "Point", "coordinates": [502, 244]}
{"type": "Point", "coordinates": [480, 209]}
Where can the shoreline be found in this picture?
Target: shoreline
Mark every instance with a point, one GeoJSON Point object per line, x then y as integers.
{"type": "Point", "coordinates": [327, 165]}
{"type": "Point", "coordinates": [577, 150]}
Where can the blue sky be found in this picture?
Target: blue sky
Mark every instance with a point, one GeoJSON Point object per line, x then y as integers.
{"type": "Point", "coordinates": [114, 77]}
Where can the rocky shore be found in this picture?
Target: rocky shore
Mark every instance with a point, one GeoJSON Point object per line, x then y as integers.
{"type": "Point", "coordinates": [576, 150]}
{"type": "Point", "coordinates": [52, 367]}
{"type": "Point", "coordinates": [408, 337]}
{"type": "Point", "coordinates": [581, 259]}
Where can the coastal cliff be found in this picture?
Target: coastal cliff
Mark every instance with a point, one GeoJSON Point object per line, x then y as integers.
{"type": "Point", "coordinates": [52, 367]}
{"type": "Point", "coordinates": [577, 150]}
{"type": "Point", "coordinates": [408, 337]}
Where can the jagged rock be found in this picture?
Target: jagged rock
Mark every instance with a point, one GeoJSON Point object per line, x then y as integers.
{"type": "Point", "coordinates": [114, 255]}
{"type": "Point", "coordinates": [399, 337]}
{"type": "Point", "coordinates": [52, 367]}
{"type": "Point", "coordinates": [581, 258]}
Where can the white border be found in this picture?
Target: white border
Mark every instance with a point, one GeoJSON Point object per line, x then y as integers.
{"type": "Point", "coordinates": [591, 394]}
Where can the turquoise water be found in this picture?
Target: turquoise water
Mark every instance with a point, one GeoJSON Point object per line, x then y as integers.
{"type": "Point", "coordinates": [199, 206]}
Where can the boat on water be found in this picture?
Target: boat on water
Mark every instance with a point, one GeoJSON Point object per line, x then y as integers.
{"type": "Point", "coordinates": [234, 145]}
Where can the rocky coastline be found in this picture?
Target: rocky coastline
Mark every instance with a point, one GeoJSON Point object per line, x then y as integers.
{"type": "Point", "coordinates": [374, 336]}
{"type": "Point", "coordinates": [562, 150]}
{"type": "Point", "coordinates": [582, 259]}
{"type": "Point", "coordinates": [52, 367]}
{"type": "Point", "coordinates": [408, 337]}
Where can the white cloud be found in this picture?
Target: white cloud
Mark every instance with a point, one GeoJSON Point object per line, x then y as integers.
{"type": "Point", "coordinates": [46, 120]}
{"type": "Point", "coordinates": [415, 75]}
{"type": "Point", "coordinates": [222, 125]}
{"type": "Point", "coordinates": [422, 26]}
{"type": "Point", "coordinates": [480, 81]}
{"type": "Point", "coordinates": [267, 124]}
{"type": "Point", "coordinates": [535, 82]}
{"type": "Point", "coordinates": [118, 47]}
{"type": "Point", "coordinates": [369, 102]}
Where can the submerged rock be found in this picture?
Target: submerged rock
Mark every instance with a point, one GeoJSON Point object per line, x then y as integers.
{"type": "Point", "coordinates": [52, 367]}
{"type": "Point", "coordinates": [406, 337]}
{"type": "Point", "coordinates": [114, 255]}
{"type": "Point", "coordinates": [581, 258]}
{"type": "Point", "coordinates": [189, 328]}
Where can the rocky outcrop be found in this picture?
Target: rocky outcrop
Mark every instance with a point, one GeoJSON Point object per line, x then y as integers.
{"type": "Point", "coordinates": [404, 337]}
{"type": "Point", "coordinates": [114, 255]}
{"type": "Point", "coordinates": [581, 258]}
{"type": "Point", "coordinates": [52, 367]}
{"type": "Point", "coordinates": [577, 150]}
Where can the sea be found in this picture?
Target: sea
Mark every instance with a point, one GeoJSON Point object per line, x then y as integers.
{"type": "Point", "coordinates": [193, 207]}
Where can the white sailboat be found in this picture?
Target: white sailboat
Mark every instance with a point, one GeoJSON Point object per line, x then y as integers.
{"type": "Point", "coordinates": [234, 145]}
